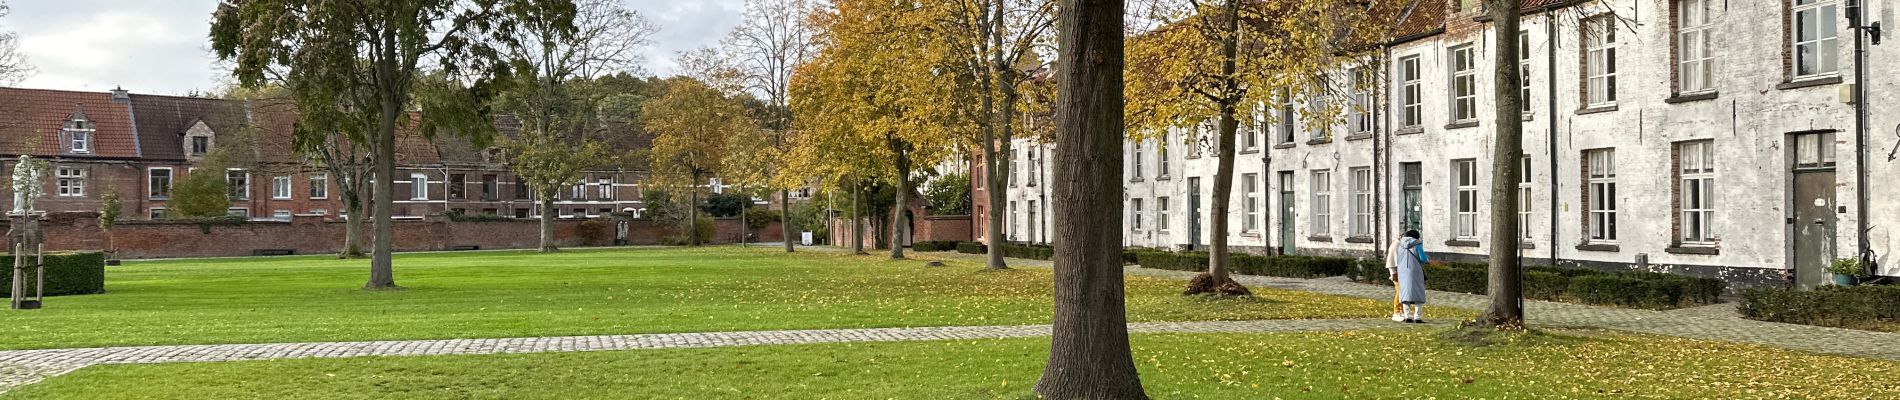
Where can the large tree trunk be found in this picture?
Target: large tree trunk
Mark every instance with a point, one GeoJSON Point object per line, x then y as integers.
{"type": "Point", "coordinates": [857, 222]}
{"type": "Point", "coordinates": [785, 218]}
{"type": "Point", "coordinates": [547, 222]}
{"type": "Point", "coordinates": [1506, 310]}
{"type": "Point", "coordinates": [1089, 357]}
{"type": "Point", "coordinates": [1217, 280]}
{"type": "Point", "coordinates": [995, 144]}
{"type": "Point", "coordinates": [900, 225]}
{"type": "Point", "coordinates": [381, 273]}
{"type": "Point", "coordinates": [692, 222]}
{"type": "Point", "coordinates": [352, 232]}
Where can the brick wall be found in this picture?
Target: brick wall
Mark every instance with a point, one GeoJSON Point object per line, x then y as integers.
{"type": "Point", "coordinates": [313, 235]}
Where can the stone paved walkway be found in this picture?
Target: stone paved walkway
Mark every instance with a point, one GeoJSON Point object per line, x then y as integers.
{"type": "Point", "coordinates": [1713, 322]}
{"type": "Point", "coordinates": [22, 367]}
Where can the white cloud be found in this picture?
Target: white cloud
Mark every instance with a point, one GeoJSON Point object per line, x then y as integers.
{"type": "Point", "coordinates": [161, 46]}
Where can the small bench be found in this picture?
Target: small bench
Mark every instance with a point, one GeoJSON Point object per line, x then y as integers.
{"type": "Point", "coordinates": [273, 252]}
{"type": "Point", "coordinates": [464, 248]}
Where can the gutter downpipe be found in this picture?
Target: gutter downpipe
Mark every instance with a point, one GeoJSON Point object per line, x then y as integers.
{"type": "Point", "coordinates": [1550, 134]}
{"type": "Point", "coordinates": [1858, 22]}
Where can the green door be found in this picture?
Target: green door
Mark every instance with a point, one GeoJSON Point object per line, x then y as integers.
{"type": "Point", "coordinates": [1409, 218]}
{"type": "Point", "coordinates": [1286, 213]}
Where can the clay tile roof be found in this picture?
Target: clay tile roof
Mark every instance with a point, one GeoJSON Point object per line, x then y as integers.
{"type": "Point", "coordinates": [36, 115]}
{"type": "Point", "coordinates": [411, 147]}
{"type": "Point", "coordinates": [163, 120]}
{"type": "Point", "coordinates": [1423, 18]}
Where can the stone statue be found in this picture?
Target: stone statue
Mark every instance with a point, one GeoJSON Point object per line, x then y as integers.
{"type": "Point", "coordinates": [26, 185]}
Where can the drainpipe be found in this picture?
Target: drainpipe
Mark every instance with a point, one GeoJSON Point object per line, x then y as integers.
{"type": "Point", "coordinates": [1854, 19]}
{"type": "Point", "coordinates": [1550, 134]}
{"type": "Point", "coordinates": [1380, 155]}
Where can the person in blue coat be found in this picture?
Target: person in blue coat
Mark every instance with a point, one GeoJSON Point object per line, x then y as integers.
{"type": "Point", "coordinates": [1406, 265]}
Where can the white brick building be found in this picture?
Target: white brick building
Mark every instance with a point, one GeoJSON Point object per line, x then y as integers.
{"type": "Point", "coordinates": [1733, 159]}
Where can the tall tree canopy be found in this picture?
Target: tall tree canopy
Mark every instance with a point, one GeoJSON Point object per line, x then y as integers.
{"type": "Point", "coordinates": [775, 37]}
{"type": "Point", "coordinates": [996, 41]}
{"type": "Point", "coordinates": [695, 127]}
{"type": "Point", "coordinates": [1209, 61]}
{"type": "Point", "coordinates": [358, 68]}
{"type": "Point", "coordinates": [13, 65]}
{"type": "Point", "coordinates": [884, 87]}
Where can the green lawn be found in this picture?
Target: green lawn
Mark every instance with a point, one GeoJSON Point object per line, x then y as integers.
{"type": "Point", "coordinates": [1407, 364]}
{"type": "Point", "coordinates": [585, 292]}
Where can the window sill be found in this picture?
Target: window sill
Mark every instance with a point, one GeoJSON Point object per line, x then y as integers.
{"type": "Point", "coordinates": [1250, 234]}
{"type": "Point", "coordinates": [1462, 125]}
{"type": "Point", "coordinates": [1136, 180]}
{"type": "Point", "coordinates": [1686, 98]}
{"type": "Point", "coordinates": [1694, 250]}
{"type": "Point", "coordinates": [1250, 150]}
{"type": "Point", "coordinates": [1358, 239]}
{"type": "Point", "coordinates": [1611, 248]}
{"type": "Point", "coordinates": [1597, 109]}
{"type": "Point", "coordinates": [1808, 83]}
{"type": "Point", "coordinates": [1163, 178]}
{"type": "Point", "coordinates": [1410, 130]}
{"type": "Point", "coordinates": [1287, 145]}
{"type": "Point", "coordinates": [1461, 243]}
{"type": "Point", "coordinates": [1359, 136]}
{"type": "Point", "coordinates": [1324, 239]}
{"type": "Point", "coordinates": [1320, 141]}
{"type": "Point", "coordinates": [1530, 117]}
{"type": "Point", "coordinates": [1527, 246]}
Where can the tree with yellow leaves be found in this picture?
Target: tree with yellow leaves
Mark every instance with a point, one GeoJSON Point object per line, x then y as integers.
{"type": "Point", "coordinates": [881, 98]}
{"type": "Point", "coordinates": [1208, 60]}
{"type": "Point", "coordinates": [694, 127]}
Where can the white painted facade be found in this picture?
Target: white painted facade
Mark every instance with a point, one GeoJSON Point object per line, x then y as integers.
{"type": "Point", "coordinates": [1751, 119]}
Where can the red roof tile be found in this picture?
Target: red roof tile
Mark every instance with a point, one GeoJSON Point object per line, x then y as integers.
{"type": "Point", "coordinates": [35, 118]}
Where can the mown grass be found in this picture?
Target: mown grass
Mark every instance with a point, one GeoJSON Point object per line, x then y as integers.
{"type": "Point", "coordinates": [1405, 363]}
{"type": "Point", "coordinates": [586, 292]}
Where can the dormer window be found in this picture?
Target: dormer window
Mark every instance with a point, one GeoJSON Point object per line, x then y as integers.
{"type": "Point", "coordinates": [200, 145]}
{"type": "Point", "coordinates": [78, 132]}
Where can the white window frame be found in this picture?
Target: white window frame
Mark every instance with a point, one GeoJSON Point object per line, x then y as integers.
{"type": "Point", "coordinates": [1322, 188]}
{"type": "Point", "coordinates": [1524, 199]}
{"type": "Point", "coordinates": [1161, 157]}
{"type": "Point", "coordinates": [155, 213]}
{"type": "Point", "coordinates": [239, 184]}
{"type": "Point", "coordinates": [1464, 83]}
{"type": "Point", "coordinates": [1250, 139]}
{"type": "Point", "coordinates": [1696, 183]}
{"type": "Point", "coordinates": [1134, 219]}
{"type": "Point", "coordinates": [1600, 60]}
{"type": "Point", "coordinates": [418, 186]}
{"type": "Point", "coordinates": [1411, 93]}
{"type": "Point", "coordinates": [1011, 228]}
{"type": "Point", "coordinates": [151, 191]}
{"type": "Point", "coordinates": [1824, 44]}
{"type": "Point", "coordinates": [319, 186]}
{"type": "Point", "coordinates": [1524, 71]}
{"type": "Point", "coordinates": [1250, 185]}
{"type": "Point", "coordinates": [1138, 144]}
{"type": "Point", "coordinates": [280, 215]}
{"type": "Point", "coordinates": [1695, 68]}
{"type": "Point", "coordinates": [1289, 118]}
{"type": "Point", "coordinates": [1600, 170]}
{"type": "Point", "coordinates": [280, 187]}
{"type": "Point", "coordinates": [1362, 202]}
{"type": "Point", "coordinates": [71, 181]}
{"type": "Point", "coordinates": [1363, 114]}
{"type": "Point", "coordinates": [605, 185]}
{"type": "Point", "coordinates": [1814, 150]}
{"type": "Point", "coordinates": [1464, 177]}
{"type": "Point", "coordinates": [81, 140]}
{"type": "Point", "coordinates": [238, 212]}
{"type": "Point", "coordinates": [1161, 214]}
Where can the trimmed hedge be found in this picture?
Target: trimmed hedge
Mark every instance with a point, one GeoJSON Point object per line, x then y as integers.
{"type": "Point", "coordinates": [66, 274]}
{"type": "Point", "coordinates": [1029, 251]}
{"type": "Point", "coordinates": [1626, 289]}
{"type": "Point", "coordinates": [945, 245]}
{"type": "Point", "coordinates": [1837, 306]}
{"type": "Point", "coordinates": [972, 248]}
{"type": "Point", "coordinates": [1248, 264]}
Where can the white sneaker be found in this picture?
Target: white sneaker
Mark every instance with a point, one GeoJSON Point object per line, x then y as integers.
{"type": "Point", "coordinates": [1398, 317]}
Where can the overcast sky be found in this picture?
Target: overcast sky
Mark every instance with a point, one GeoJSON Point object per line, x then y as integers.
{"type": "Point", "coordinates": [160, 46]}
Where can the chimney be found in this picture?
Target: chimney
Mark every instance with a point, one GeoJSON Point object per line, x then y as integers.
{"type": "Point", "coordinates": [120, 94]}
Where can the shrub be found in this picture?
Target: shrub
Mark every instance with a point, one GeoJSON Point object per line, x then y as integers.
{"type": "Point", "coordinates": [1370, 270]}
{"type": "Point", "coordinates": [758, 217]}
{"type": "Point", "coordinates": [1248, 264]}
{"type": "Point", "coordinates": [592, 232]}
{"type": "Point", "coordinates": [66, 274]}
{"type": "Point", "coordinates": [704, 231]}
{"type": "Point", "coordinates": [1029, 251]}
{"type": "Point", "coordinates": [945, 245]}
{"type": "Point", "coordinates": [1545, 285]}
{"type": "Point", "coordinates": [972, 248]}
{"type": "Point", "coordinates": [1836, 306]}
